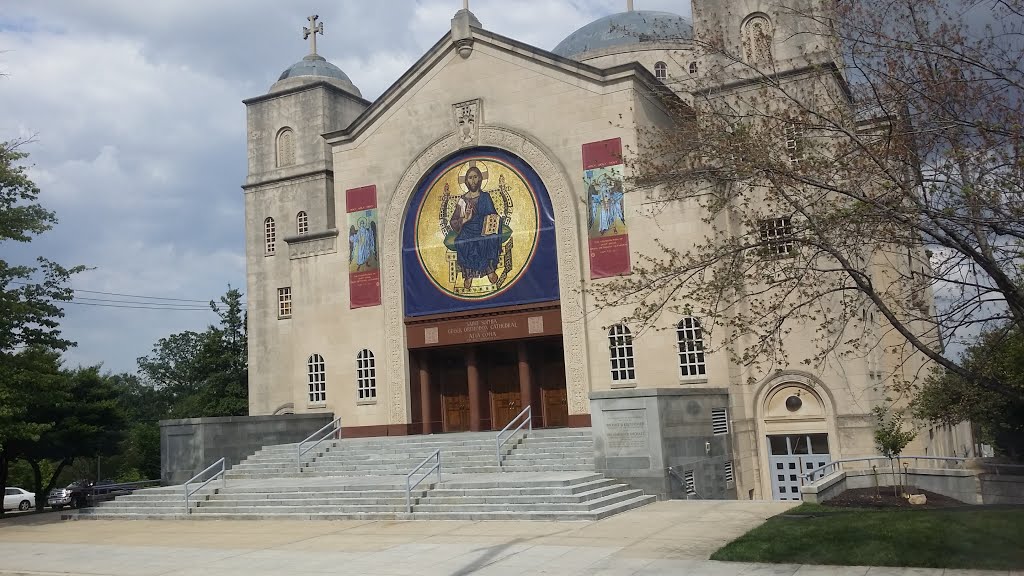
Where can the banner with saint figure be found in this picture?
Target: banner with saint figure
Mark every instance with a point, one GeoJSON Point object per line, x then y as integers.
{"type": "Point", "coordinates": [363, 260]}
{"type": "Point", "coordinates": [606, 216]}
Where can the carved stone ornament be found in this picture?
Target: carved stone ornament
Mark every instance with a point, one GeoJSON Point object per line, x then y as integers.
{"type": "Point", "coordinates": [570, 268]}
{"type": "Point", "coordinates": [467, 120]}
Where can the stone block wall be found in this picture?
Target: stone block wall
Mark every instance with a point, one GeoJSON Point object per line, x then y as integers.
{"type": "Point", "coordinates": [189, 445]}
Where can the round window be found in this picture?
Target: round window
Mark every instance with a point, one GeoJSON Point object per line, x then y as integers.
{"type": "Point", "coordinates": [793, 403]}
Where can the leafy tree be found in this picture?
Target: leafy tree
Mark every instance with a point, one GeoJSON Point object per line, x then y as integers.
{"type": "Point", "coordinates": [30, 298]}
{"type": "Point", "coordinates": [87, 422]}
{"type": "Point", "coordinates": [891, 438]}
{"type": "Point", "coordinates": [890, 173]}
{"type": "Point", "coordinates": [948, 398]}
{"type": "Point", "coordinates": [204, 374]}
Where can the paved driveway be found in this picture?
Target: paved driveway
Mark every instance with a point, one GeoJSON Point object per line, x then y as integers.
{"type": "Point", "coordinates": [665, 538]}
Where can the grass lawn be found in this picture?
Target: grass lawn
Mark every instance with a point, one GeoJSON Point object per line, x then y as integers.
{"type": "Point", "coordinates": [946, 538]}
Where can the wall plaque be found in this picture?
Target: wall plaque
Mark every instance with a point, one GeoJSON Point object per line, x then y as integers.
{"type": "Point", "coordinates": [626, 432]}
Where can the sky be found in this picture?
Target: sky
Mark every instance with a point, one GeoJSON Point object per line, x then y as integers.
{"type": "Point", "coordinates": [134, 111]}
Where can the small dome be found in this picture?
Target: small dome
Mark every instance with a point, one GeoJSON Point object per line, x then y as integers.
{"type": "Point", "coordinates": [624, 29]}
{"type": "Point", "coordinates": [311, 68]}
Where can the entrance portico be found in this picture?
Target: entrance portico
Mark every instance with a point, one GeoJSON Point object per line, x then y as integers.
{"type": "Point", "coordinates": [477, 372]}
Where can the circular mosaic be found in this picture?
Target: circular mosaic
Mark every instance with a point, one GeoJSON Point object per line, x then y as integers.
{"type": "Point", "coordinates": [476, 228]}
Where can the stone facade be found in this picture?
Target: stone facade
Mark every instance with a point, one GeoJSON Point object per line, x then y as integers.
{"type": "Point", "coordinates": [478, 89]}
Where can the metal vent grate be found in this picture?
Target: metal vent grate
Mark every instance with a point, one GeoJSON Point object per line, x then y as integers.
{"type": "Point", "coordinates": [729, 479]}
{"type": "Point", "coordinates": [719, 421]}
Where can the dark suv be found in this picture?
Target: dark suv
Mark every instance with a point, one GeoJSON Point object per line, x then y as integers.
{"type": "Point", "coordinates": [76, 495]}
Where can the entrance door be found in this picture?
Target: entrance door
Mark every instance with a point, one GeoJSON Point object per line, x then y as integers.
{"type": "Point", "coordinates": [791, 456]}
{"type": "Point", "coordinates": [554, 401]}
{"type": "Point", "coordinates": [505, 401]}
{"type": "Point", "coordinates": [455, 395]}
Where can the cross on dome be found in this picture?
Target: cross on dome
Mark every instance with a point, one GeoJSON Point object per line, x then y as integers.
{"type": "Point", "coordinates": [312, 31]}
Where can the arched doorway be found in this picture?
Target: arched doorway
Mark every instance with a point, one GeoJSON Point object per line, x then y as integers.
{"type": "Point", "coordinates": [796, 427]}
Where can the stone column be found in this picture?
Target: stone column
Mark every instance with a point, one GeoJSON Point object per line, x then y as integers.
{"type": "Point", "coordinates": [525, 384]}
{"type": "Point", "coordinates": [425, 392]}
{"type": "Point", "coordinates": [473, 376]}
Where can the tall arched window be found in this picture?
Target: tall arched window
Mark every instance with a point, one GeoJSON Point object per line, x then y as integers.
{"type": "Point", "coordinates": [661, 71]}
{"type": "Point", "coordinates": [693, 67]}
{"type": "Point", "coordinates": [269, 235]}
{"type": "Point", "coordinates": [620, 345]}
{"type": "Point", "coordinates": [316, 369]}
{"type": "Point", "coordinates": [690, 338]}
{"type": "Point", "coordinates": [285, 147]}
{"type": "Point", "coordinates": [302, 223]}
{"type": "Point", "coordinates": [758, 37]}
{"type": "Point", "coordinates": [366, 375]}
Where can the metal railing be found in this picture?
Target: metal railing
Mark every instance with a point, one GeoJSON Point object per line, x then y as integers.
{"type": "Point", "coordinates": [300, 450]}
{"type": "Point", "coordinates": [189, 493]}
{"type": "Point", "coordinates": [498, 442]}
{"type": "Point", "coordinates": [409, 484]}
{"type": "Point", "coordinates": [836, 465]}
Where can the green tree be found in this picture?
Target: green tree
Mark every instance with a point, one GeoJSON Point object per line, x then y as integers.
{"type": "Point", "coordinates": [204, 374]}
{"type": "Point", "coordinates": [891, 438]}
{"type": "Point", "coordinates": [87, 422]}
{"type": "Point", "coordinates": [948, 398]}
{"type": "Point", "coordinates": [30, 298]}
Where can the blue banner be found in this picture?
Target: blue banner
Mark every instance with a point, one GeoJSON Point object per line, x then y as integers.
{"type": "Point", "coordinates": [479, 233]}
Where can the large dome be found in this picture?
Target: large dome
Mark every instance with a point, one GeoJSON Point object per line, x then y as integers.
{"type": "Point", "coordinates": [311, 68]}
{"type": "Point", "coordinates": [624, 29]}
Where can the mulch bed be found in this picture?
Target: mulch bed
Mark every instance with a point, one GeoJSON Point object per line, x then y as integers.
{"type": "Point", "coordinates": [866, 498]}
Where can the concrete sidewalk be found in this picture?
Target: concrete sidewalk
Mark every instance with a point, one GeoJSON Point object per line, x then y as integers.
{"type": "Point", "coordinates": [665, 538]}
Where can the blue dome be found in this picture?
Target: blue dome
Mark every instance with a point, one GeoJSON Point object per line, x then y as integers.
{"type": "Point", "coordinates": [625, 29]}
{"type": "Point", "coordinates": [314, 65]}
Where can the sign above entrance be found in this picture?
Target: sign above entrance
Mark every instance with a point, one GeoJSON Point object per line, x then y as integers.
{"type": "Point", "coordinates": [492, 328]}
{"type": "Point", "coordinates": [479, 234]}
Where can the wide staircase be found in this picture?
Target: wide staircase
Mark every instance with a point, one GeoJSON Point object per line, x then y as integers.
{"type": "Point", "coordinates": [546, 475]}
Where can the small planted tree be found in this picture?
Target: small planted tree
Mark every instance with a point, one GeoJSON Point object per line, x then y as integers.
{"type": "Point", "coordinates": [891, 438]}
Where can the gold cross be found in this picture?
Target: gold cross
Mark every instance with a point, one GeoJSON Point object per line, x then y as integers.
{"type": "Point", "coordinates": [312, 31]}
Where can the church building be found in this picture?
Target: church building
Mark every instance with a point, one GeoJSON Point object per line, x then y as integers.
{"type": "Point", "coordinates": [420, 264]}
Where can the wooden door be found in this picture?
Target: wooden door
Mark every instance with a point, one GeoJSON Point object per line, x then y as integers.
{"type": "Point", "coordinates": [505, 400]}
{"type": "Point", "coordinates": [554, 400]}
{"type": "Point", "coordinates": [455, 396]}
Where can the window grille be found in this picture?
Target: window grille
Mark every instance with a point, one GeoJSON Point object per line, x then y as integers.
{"type": "Point", "coordinates": [661, 71]}
{"type": "Point", "coordinates": [620, 345]}
{"type": "Point", "coordinates": [270, 235]}
{"type": "Point", "coordinates": [284, 302]}
{"type": "Point", "coordinates": [719, 421]}
{"type": "Point", "coordinates": [366, 375]}
{"type": "Point", "coordinates": [729, 477]}
{"type": "Point", "coordinates": [302, 223]}
{"type": "Point", "coordinates": [691, 348]}
{"type": "Point", "coordinates": [777, 234]}
{"type": "Point", "coordinates": [794, 135]}
{"type": "Point", "coordinates": [689, 483]}
{"type": "Point", "coordinates": [317, 370]}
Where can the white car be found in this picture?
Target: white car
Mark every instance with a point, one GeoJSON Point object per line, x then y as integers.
{"type": "Point", "coordinates": [18, 498]}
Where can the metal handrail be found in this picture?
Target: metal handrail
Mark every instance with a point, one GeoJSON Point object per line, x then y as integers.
{"type": "Point", "coordinates": [300, 450]}
{"type": "Point", "coordinates": [408, 477]}
{"type": "Point", "coordinates": [498, 442]}
{"type": "Point", "coordinates": [810, 475]}
{"type": "Point", "coordinates": [189, 493]}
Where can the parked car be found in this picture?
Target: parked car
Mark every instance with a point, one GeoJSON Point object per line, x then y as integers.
{"type": "Point", "coordinates": [75, 495]}
{"type": "Point", "coordinates": [18, 498]}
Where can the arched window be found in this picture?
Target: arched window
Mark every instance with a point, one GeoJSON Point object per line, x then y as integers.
{"type": "Point", "coordinates": [316, 368]}
{"type": "Point", "coordinates": [269, 235]}
{"type": "Point", "coordinates": [285, 147]}
{"type": "Point", "coordinates": [758, 37]}
{"type": "Point", "coordinates": [690, 338]}
{"type": "Point", "coordinates": [620, 345]}
{"type": "Point", "coordinates": [366, 375]}
{"type": "Point", "coordinates": [302, 223]}
{"type": "Point", "coordinates": [693, 67]}
{"type": "Point", "coordinates": [661, 71]}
